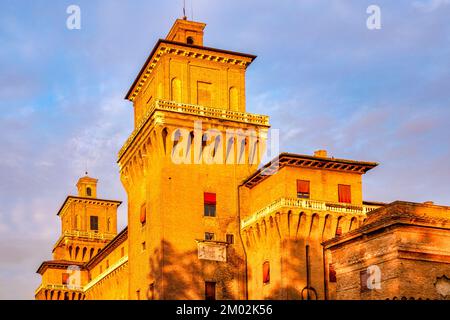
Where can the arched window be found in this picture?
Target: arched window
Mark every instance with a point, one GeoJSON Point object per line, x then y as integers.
{"type": "Point", "coordinates": [353, 224]}
{"type": "Point", "coordinates": [89, 191]}
{"type": "Point", "coordinates": [339, 226]}
{"type": "Point", "coordinates": [164, 138]}
{"type": "Point", "coordinates": [190, 40]}
{"type": "Point", "coordinates": [108, 224]}
{"type": "Point", "coordinates": [176, 90]}
{"type": "Point", "coordinates": [234, 99]}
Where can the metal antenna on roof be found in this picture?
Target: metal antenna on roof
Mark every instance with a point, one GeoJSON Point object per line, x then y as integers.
{"type": "Point", "coordinates": [192, 10]}
{"type": "Point", "coordinates": [184, 10]}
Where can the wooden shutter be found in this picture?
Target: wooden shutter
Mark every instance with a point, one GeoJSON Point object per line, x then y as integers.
{"type": "Point", "coordinates": [266, 272]}
{"type": "Point", "coordinates": [344, 192]}
{"type": "Point", "coordinates": [143, 216]}
{"type": "Point", "coordinates": [302, 186]}
{"type": "Point", "coordinates": [65, 278]}
{"type": "Point", "coordinates": [209, 198]}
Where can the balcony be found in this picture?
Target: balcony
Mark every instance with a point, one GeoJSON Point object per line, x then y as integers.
{"type": "Point", "coordinates": [307, 204]}
{"type": "Point", "coordinates": [197, 110]}
{"type": "Point", "coordinates": [58, 287]}
{"type": "Point", "coordinates": [86, 235]}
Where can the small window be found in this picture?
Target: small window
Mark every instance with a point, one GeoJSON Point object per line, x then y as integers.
{"type": "Point", "coordinates": [107, 264]}
{"type": "Point", "coordinates": [209, 204]}
{"type": "Point", "coordinates": [210, 290]}
{"type": "Point", "coordinates": [266, 272]}
{"type": "Point", "coordinates": [101, 268]}
{"type": "Point", "coordinates": [144, 246]}
{"type": "Point", "coordinates": [344, 193]}
{"type": "Point", "coordinates": [190, 40]}
{"type": "Point", "coordinates": [122, 252]}
{"type": "Point", "coordinates": [303, 189]}
{"type": "Point", "coordinates": [138, 294]}
{"type": "Point", "coordinates": [88, 191]}
{"type": "Point", "coordinates": [94, 223]}
{"type": "Point", "coordinates": [209, 236]}
{"type": "Point", "coordinates": [331, 273]}
{"type": "Point", "coordinates": [230, 238]}
{"type": "Point", "coordinates": [363, 275]}
{"type": "Point", "coordinates": [143, 215]}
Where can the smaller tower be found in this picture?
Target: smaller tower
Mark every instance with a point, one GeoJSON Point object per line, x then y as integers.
{"type": "Point", "coordinates": [185, 31]}
{"type": "Point", "coordinates": [88, 224]}
{"type": "Point", "coordinates": [87, 187]}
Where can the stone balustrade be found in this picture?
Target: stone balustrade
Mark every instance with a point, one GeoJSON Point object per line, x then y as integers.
{"type": "Point", "coordinates": [209, 112]}
{"type": "Point", "coordinates": [308, 204]}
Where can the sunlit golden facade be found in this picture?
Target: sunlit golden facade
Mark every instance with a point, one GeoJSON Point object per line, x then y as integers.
{"type": "Point", "coordinates": [204, 222]}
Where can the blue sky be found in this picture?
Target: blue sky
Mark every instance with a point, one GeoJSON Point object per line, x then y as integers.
{"type": "Point", "coordinates": [323, 77]}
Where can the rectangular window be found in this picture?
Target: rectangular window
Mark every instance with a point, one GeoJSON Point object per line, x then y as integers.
{"type": "Point", "coordinates": [209, 236]}
{"type": "Point", "coordinates": [303, 189]}
{"type": "Point", "coordinates": [266, 272]}
{"type": "Point", "coordinates": [210, 290]}
{"type": "Point", "coordinates": [204, 97]}
{"type": "Point", "coordinates": [143, 215]}
{"type": "Point", "coordinates": [122, 252]}
{"type": "Point", "coordinates": [209, 204]}
{"type": "Point", "coordinates": [344, 192]}
{"type": "Point", "coordinates": [107, 264]}
{"type": "Point", "coordinates": [331, 273]}
{"type": "Point", "coordinates": [363, 278]}
{"type": "Point", "coordinates": [144, 246]}
{"type": "Point", "coordinates": [94, 223]}
{"type": "Point", "coordinates": [230, 238]}
{"type": "Point", "coordinates": [65, 279]}
{"type": "Point", "coordinates": [138, 294]}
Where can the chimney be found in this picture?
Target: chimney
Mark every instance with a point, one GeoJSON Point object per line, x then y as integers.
{"type": "Point", "coordinates": [321, 153]}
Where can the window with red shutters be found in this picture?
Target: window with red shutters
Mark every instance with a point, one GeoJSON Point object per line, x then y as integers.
{"type": "Point", "coordinates": [209, 200]}
{"type": "Point", "coordinates": [344, 193]}
{"type": "Point", "coordinates": [266, 272]}
{"type": "Point", "coordinates": [143, 215]}
{"type": "Point", "coordinates": [65, 278]}
{"type": "Point", "coordinates": [303, 189]}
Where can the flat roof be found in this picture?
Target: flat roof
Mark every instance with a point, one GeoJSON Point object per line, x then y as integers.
{"type": "Point", "coordinates": [58, 264]}
{"type": "Point", "coordinates": [307, 161]}
{"type": "Point", "coordinates": [87, 199]}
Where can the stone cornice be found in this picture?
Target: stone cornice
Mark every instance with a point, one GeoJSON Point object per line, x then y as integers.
{"type": "Point", "coordinates": [164, 47]}
{"type": "Point", "coordinates": [71, 199]}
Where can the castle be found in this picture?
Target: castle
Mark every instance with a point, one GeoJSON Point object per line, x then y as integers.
{"type": "Point", "coordinates": [206, 222]}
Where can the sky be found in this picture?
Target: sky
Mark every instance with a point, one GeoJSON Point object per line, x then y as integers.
{"type": "Point", "coordinates": [325, 80]}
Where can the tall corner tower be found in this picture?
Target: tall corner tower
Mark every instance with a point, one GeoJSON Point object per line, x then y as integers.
{"type": "Point", "coordinates": [192, 146]}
